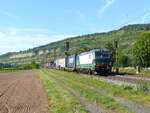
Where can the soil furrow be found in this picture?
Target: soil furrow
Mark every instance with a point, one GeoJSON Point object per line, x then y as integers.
{"type": "Point", "coordinates": [7, 88]}
{"type": "Point", "coordinates": [24, 95]}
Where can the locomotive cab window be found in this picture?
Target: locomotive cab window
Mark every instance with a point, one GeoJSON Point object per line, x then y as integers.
{"type": "Point", "coordinates": [101, 55]}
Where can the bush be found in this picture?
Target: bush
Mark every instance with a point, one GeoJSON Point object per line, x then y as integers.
{"type": "Point", "coordinates": [127, 87]}
{"type": "Point", "coordinates": [32, 65]}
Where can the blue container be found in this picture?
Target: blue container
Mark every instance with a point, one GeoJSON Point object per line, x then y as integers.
{"type": "Point", "coordinates": [49, 64]}
{"type": "Point", "coordinates": [71, 61]}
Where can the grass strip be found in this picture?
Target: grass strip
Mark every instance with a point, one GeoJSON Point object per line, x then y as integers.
{"type": "Point", "coordinates": [123, 92]}
{"type": "Point", "coordinates": [95, 97]}
{"type": "Point", "coordinates": [13, 70]}
{"type": "Point", "coordinates": [133, 72]}
{"type": "Point", "coordinates": [60, 100]}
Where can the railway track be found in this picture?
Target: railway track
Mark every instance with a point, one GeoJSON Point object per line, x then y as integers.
{"type": "Point", "coordinates": [132, 80]}
{"type": "Point", "coordinates": [134, 77]}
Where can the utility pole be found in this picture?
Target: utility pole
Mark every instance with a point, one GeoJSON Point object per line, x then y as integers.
{"type": "Point", "coordinates": [116, 48]}
{"type": "Point", "coordinates": [66, 52]}
{"type": "Point", "coordinates": [67, 48]}
{"type": "Point", "coordinates": [46, 58]}
{"type": "Point", "coordinates": [54, 54]}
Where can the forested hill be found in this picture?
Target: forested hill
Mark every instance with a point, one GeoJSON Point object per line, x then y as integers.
{"type": "Point", "coordinates": [125, 36]}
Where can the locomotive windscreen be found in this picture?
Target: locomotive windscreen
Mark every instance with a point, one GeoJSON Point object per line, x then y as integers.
{"type": "Point", "coordinates": [104, 54]}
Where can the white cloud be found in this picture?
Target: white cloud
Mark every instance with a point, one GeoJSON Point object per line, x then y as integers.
{"type": "Point", "coordinates": [15, 31]}
{"type": "Point", "coordinates": [105, 7]}
{"type": "Point", "coordinates": [9, 14]}
{"type": "Point", "coordinates": [145, 17]}
{"type": "Point", "coordinates": [15, 41]}
{"type": "Point", "coordinates": [82, 17]}
{"type": "Point", "coordinates": [2, 35]}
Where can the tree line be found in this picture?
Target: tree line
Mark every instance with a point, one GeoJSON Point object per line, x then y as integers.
{"type": "Point", "coordinates": [140, 52]}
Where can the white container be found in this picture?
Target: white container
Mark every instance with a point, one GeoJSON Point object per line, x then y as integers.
{"type": "Point", "coordinates": [60, 63]}
{"type": "Point", "coordinates": [86, 58]}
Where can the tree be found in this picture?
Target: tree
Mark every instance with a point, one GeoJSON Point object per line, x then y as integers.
{"type": "Point", "coordinates": [34, 65]}
{"type": "Point", "coordinates": [109, 46]}
{"type": "Point", "coordinates": [141, 50]}
{"type": "Point", "coordinates": [123, 60]}
{"type": "Point", "coordinates": [86, 48]}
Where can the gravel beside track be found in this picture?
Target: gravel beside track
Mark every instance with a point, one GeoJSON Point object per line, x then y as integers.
{"type": "Point", "coordinates": [22, 92]}
{"type": "Point", "coordinates": [135, 77]}
{"type": "Point", "coordinates": [121, 79]}
{"type": "Point", "coordinates": [118, 82]}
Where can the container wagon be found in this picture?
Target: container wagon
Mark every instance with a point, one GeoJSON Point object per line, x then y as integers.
{"type": "Point", "coordinates": [60, 63]}
{"type": "Point", "coordinates": [71, 62]}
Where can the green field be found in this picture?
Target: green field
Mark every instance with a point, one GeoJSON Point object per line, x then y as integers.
{"type": "Point", "coordinates": [82, 85]}
{"type": "Point", "coordinates": [60, 100]}
{"type": "Point", "coordinates": [123, 92]}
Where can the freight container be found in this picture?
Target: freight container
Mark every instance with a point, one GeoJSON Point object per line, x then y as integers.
{"type": "Point", "coordinates": [71, 61]}
{"type": "Point", "coordinates": [60, 63]}
{"type": "Point", "coordinates": [51, 64]}
{"type": "Point", "coordinates": [45, 65]}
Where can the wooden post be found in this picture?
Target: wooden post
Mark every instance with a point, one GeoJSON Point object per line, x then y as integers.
{"type": "Point", "coordinates": [116, 47]}
{"type": "Point", "coordinates": [54, 50]}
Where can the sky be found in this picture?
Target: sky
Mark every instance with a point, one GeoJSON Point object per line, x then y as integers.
{"type": "Point", "coordinates": [26, 24]}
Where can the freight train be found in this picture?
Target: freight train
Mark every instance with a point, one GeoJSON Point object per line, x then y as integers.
{"type": "Point", "coordinates": [93, 62]}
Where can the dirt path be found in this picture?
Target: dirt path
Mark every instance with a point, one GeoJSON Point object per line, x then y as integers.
{"type": "Point", "coordinates": [91, 108]}
{"type": "Point", "coordinates": [21, 92]}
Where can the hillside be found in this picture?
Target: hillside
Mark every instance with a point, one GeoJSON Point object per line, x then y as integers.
{"type": "Point", "coordinates": [125, 35]}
